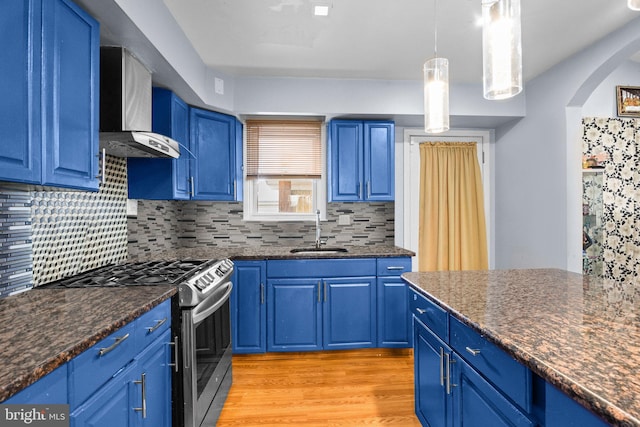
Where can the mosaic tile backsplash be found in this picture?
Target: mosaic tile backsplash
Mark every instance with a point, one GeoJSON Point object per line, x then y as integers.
{"type": "Point", "coordinates": [164, 225]}
{"type": "Point", "coordinates": [46, 235]}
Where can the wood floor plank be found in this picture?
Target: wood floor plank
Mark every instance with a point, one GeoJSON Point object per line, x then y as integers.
{"type": "Point", "coordinates": [368, 387]}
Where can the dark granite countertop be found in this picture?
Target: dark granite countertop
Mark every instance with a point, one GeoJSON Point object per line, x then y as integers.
{"type": "Point", "coordinates": [271, 252]}
{"type": "Point", "coordinates": [581, 334]}
{"type": "Point", "coordinates": [44, 328]}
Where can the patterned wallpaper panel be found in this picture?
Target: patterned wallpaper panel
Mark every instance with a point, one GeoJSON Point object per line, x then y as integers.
{"type": "Point", "coordinates": [162, 225]}
{"type": "Point", "coordinates": [615, 140]}
{"type": "Point", "coordinates": [16, 263]}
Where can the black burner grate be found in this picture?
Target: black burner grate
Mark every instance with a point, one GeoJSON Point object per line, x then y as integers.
{"type": "Point", "coordinates": [132, 274]}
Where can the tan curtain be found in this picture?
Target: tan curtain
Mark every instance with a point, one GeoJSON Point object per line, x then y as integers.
{"type": "Point", "coordinates": [452, 222]}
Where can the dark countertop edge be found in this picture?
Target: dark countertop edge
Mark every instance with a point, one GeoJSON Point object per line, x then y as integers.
{"type": "Point", "coordinates": [21, 382]}
{"type": "Point", "coordinates": [591, 401]}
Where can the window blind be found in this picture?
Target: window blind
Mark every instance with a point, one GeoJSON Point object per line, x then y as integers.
{"type": "Point", "coordinates": [284, 148]}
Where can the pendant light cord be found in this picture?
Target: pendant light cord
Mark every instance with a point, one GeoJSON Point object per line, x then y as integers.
{"type": "Point", "coordinates": [435, 28]}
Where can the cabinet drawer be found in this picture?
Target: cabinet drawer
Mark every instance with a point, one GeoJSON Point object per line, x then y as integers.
{"type": "Point", "coordinates": [507, 374]}
{"type": "Point", "coordinates": [91, 369]}
{"type": "Point", "coordinates": [430, 314]}
{"type": "Point", "coordinates": [335, 267]}
{"type": "Point", "coordinates": [152, 324]}
{"type": "Point", "coordinates": [393, 266]}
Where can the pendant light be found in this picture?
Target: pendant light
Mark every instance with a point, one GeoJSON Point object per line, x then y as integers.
{"type": "Point", "coordinates": [501, 48]}
{"type": "Point", "coordinates": [436, 88]}
{"type": "Point", "coordinates": [633, 4]}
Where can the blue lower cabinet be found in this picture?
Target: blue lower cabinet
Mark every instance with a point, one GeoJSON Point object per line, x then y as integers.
{"type": "Point", "coordinates": [432, 402]}
{"type": "Point", "coordinates": [562, 411]}
{"type": "Point", "coordinates": [153, 368]}
{"type": "Point", "coordinates": [52, 388]}
{"type": "Point", "coordinates": [394, 318]}
{"type": "Point", "coordinates": [110, 406]}
{"type": "Point", "coordinates": [349, 313]}
{"type": "Point", "coordinates": [294, 320]}
{"type": "Point", "coordinates": [248, 307]}
{"type": "Point", "coordinates": [476, 399]}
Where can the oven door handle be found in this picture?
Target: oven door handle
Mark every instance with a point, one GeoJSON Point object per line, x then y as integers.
{"type": "Point", "coordinates": [210, 304]}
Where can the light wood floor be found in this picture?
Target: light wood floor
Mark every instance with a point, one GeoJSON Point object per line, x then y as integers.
{"type": "Point", "coordinates": [370, 387]}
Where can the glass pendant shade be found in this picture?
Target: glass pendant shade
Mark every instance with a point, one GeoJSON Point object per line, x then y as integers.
{"type": "Point", "coordinates": [633, 4]}
{"type": "Point", "coordinates": [436, 95]}
{"type": "Point", "coordinates": [501, 48]}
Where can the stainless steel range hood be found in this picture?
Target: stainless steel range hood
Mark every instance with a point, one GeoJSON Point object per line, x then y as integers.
{"type": "Point", "coordinates": [125, 108]}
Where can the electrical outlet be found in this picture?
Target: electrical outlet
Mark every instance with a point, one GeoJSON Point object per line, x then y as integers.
{"type": "Point", "coordinates": [344, 220]}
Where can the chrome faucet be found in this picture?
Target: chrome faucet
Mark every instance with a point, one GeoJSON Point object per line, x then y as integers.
{"type": "Point", "coordinates": [318, 241]}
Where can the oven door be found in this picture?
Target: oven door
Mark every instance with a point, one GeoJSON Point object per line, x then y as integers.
{"type": "Point", "coordinates": [206, 332]}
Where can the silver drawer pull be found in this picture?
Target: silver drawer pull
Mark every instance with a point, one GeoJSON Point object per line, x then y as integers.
{"type": "Point", "coordinates": [421, 310]}
{"type": "Point", "coordinates": [473, 351]}
{"type": "Point", "coordinates": [118, 341]}
{"type": "Point", "coordinates": [159, 323]}
{"type": "Point", "coordinates": [394, 268]}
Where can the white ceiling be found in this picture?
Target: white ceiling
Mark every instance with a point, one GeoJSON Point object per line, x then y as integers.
{"type": "Point", "coordinates": [381, 39]}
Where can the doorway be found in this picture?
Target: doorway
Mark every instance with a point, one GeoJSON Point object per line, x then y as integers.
{"type": "Point", "coordinates": [411, 180]}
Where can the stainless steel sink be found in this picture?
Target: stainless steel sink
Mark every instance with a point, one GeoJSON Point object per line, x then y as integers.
{"type": "Point", "coordinates": [316, 251]}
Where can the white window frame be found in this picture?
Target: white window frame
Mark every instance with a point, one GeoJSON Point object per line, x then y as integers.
{"type": "Point", "coordinates": [320, 190]}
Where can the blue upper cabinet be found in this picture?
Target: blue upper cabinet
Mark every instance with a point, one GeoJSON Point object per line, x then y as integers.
{"type": "Point", "coordinates": [361, 161]}
{"type": "Point", "coordinates": [20, 22]}
{"type": "Point", "coordinates": [164, 179]}
{"type": "Point", "coordinates": [213, 142]}
{"type": "Point", "coordinates": [49, 94]}
{"type": "Point", "coordinates": [210, 162]}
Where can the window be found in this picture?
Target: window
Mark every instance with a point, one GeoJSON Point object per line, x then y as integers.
{"type": "Point", "coordinates": [284, 170]}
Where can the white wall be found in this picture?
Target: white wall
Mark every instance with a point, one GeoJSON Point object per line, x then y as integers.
{"type": "Point", "coordinates": [538, 171]}
{"type": "Point", "coordinates": [602, 101]}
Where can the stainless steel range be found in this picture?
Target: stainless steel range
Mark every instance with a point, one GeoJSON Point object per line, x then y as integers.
{"type": "Point", "coordinates": [201, 328]}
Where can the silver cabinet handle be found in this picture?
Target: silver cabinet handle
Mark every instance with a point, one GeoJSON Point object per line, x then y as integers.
{"type": "Point", "coordinates": [174, 343]}
{"type": "Point", "coordinates": [368, 190]}
{"type": "Point", "coordinates": [261, 293]}
{"type": "Point", "coordinates": [473, 351]}
{"type": "Point", "coordinates": [118, 341]}
{"type": "Point", "coordinates": [449, 360]}
{"type": "Point", "coordinates": [153, 328]}
{"type": "Point", "coordinates": [391, 267]}
{"type": "Point", "coordinates": [319, 286]}
{"type": "Point", "coordinates": [192, 192]}
{"type": "Point", "coordinates": [143, 384]}
{"type": "Point", "coordinates": [441, 366]}
{"type": "Point", "coordinates": [103, 166]}
{"type": "Point", "coordinates": [421, 310]}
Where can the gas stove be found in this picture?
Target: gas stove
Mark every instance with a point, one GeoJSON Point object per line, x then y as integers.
{"type": "Point", "coordinates": [196, 279]}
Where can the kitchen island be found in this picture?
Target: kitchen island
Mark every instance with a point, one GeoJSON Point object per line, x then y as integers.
{"type": "Point", "coordinates": [579, 334]}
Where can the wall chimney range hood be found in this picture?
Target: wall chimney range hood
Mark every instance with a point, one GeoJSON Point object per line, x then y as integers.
{"type": "Point", "coordinates": [125, 108]}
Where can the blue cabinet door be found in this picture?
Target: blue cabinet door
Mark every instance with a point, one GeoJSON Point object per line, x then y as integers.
{"type": "Point", "coordinates": [70, 81]}
{"type": "Point", "coordinates": [433, 404]}
{"type": "Point", "coordinates": [20, 23]}
{"type": "Point", "coordinates": [379, 161]}
{"type": "Point", "coordinates": [361, 161]}
{"type": "Point", "coordinates": [52, 388]}
{"type": "Point", "coordinates": [153, 363]}
{"type": "Point", "coordinates": [294, 315]}
{"type": "Point", "coordinates": [349, 312]}
{"type": "Point", "coordinates": [248, 309]}
{"type": "Point", "coordinates": [110, 406]}
{"type": "Point", "coordinates": [475, 399]}
{"type": "Point", "coordinates": [345, 158]}
{"type": "Point", "coordinates": [164, 179]}
{"type": "Point", "coordinates": [213, 138]}
{"type": "Point", "coordinates": [394, 318]}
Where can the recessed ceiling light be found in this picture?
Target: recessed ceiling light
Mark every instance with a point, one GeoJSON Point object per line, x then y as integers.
{"type": "Point", "coordinates": [319, 10]}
